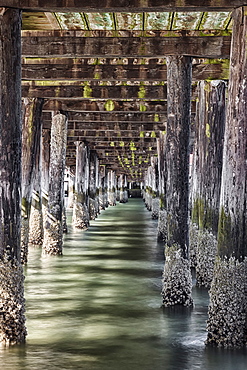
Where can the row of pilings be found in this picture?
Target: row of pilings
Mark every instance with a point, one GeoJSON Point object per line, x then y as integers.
{"type": "Point", "coordinates": [32, 167]}
{"type": "Point", "coordinates": [199, 178]}
{"type": "Point", "coordinates": [91, 187]}
{"type": "Point", "coordinates": [207, 236]}
{"type": "Point", "coordinates": [202, 211]}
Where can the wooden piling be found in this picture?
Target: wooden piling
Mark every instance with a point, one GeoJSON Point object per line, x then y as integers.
{"type": "Point", "coordinates": [31, 138]}
{"type": "Point", "coordinates": [228, 302]}
{"type": "Point", "coordinates": [53, 228]}
{"type": "Point", "coordinates": [206, 177]}
{"type": "Point", "coordinates": [81, 196]}
{"type": "Point", "coordinates": [177, 282]}
{"type": "Point", "coordinates": [12, 307]}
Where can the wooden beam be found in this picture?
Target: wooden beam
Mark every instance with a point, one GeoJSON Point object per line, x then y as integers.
{"type": "Point", "coordinates": [113, 141]}
{"type": "Point", "coordinates": [120, 117]}
{"type": "Point", "coordinates": [122, 5]}
{"type": "Point", "coordinates": [112, 126]}
{"type": "Point", "coordinates": [79, 70]}
{"type": "Point", "coordinates": [76, 44]}
{"type": "Point", "coordinates": [71, 91]}
{"type": "Point", "coordinates": [112, 135]}
{"type": "Point", "coordinates": [136, 106]}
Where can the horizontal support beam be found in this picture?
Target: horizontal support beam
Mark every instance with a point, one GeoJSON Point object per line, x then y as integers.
{"type": "Point", "coordinates": [56, 44]}
{"type": "Point", "coordinates": [34, 90]}
{"type": "Point", "coordinates": [111, 126]}
{"type": "Point", "coordinates": [105, 105]}
{"type": "Point", "coordinates": [104, 147]}
{"type": "Point", "coordinates": [112, 135]}
{"type": "Point", "coordinates": [111, 117]}
{"type": "Point", "coordinates": [80, 70]}
{"type": "Point", "coordinates": [116, 140]}
{"type": "Point", "coordinates": [121, 5]}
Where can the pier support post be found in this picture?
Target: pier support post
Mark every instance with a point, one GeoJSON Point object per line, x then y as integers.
{"type": "Point", "coordinates": [45, 164]}
{"type": "Point", "coordinates": [53, 230]}
{"type": "Point", "coordinates": [111, 188]}
{"type": "Point", "coordinates": [93, 174]}
{"type": "Point", "coordinates": [161, 236]}
{"type": "Point", "coordinates": [228, 300]}
{"type": "Point", "coordinates": [12, 306]}
{"type": "Point", "coordinates": [71, 189]}
{"type": "Point", "coordinates": [177, 282]}
{"type": "Point", "coordinates": [155, 203]}
{"type": "Point", "coordinates": [123, 195]}
{"type": "Point", "coordinates": [31, 138]}
{"type": "Point", "coordinates": [80, 208]}
{"type": "Point", "coordinates": [102, 189]}
{"type": "Point", "coordinates": [206, 177]}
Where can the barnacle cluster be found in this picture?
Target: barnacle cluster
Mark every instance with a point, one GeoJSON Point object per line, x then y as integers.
{"type": "Point", "coordinates": [226, 323]}
{"type": "Point", "coordinates": [12, 302]}
{"type": "Point", "coordinates": [177, 278]}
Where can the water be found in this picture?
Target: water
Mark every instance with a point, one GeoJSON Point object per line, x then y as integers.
{"type": "Point", "coordinates": [98, 307]}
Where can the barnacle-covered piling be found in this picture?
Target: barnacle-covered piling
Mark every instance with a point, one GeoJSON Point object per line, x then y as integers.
{"type": "Point", "coordinates": [228, 304]}
{"type": "Point", "coordinates": [177, 278]}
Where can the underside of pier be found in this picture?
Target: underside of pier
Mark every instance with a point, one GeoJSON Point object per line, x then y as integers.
{"type": "Point", "coordinates": [103, 99]}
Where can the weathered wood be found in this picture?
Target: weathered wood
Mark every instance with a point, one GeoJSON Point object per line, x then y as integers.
{"type": "Point", "coordinates": [125, 135]}
{"type": "Point", "coordinates": [122, 185]}
{"type": "Point", "coordinates": [207, 165]}
{"type": "Point", "coordinates": [151, 188]}
{"type": "Point", "coordinates": [122, 6]}
{"type": "Point", "coordinates": [103, 197]}
{"type": "Point", "coordinates": [78, 118]}
{"type": "Point", "coordinates": [232, 236]}
{"type": "Point", "coordinates": [143, 128]}
{"type": "Point", "coordinates": [45, 164]}
{"type": "Point", "coordinates": [161, 186]}
{"type": "Point", "coordinates": [177, 277]}
{"type": "Point", "coordinates": [12, 319]}
{"type": "Point", "coordinates": [87, 90]}
{"type": "Point", "coordinates": [93, 176]}
{"type": "Point", "coordinates": [105, 105]}
{"type": "Point", "coordinates": [71, 187]}
{"type": "Point", "coordinates": [81, 198]}
{"type": "Point", "coordinates": [208, 155]}
{"type": "Point", "coordinates": [228, 302]}
{"type": "Point", "coordinates": [31, 136]}
{"type": "Point", "coordinates": [116, 141]}
{"type": "Point", "coordinates": [77, 44]}
{"type": "Point", "coordinates": [111, 187]}
{"type": "Point", "coordinates": [53, 230]}
{"type": "Point", "coordinates": [36, 230]}
{"type": "Point", "coordinates": [80, 69]}
{"type": "Point", "coordinates": [177, 150]}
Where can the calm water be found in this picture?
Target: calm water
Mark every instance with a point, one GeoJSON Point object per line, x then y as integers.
{"type": "Point", "coordinates": [99, 306]}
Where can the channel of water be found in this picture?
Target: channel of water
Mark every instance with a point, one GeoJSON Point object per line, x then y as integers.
{"type": "Point", "coordinates": [99, 306]}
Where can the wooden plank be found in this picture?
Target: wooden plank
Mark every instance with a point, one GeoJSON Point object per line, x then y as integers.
{"type": "Point", "coordinates": [112, 135]}
{"type": "Point", "coordinates": [97, 106]}
{"type": "Point", "coordinates": [114, 140]}
{"type": "Point", "coordinates": [80, 118]}
{"type": "Point", "coordinates": [111, 126]}
{"type": "Point", "coordinates": [122, 5]}
{"type": "Point", "coordinates": [73, 45]}
{"type": "Point", "coordinates": [69, 91]}
{"type": "Point", "coordinates": [79, 69]}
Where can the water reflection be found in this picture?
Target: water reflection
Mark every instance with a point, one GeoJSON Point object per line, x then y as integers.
{"type": "Point", "coordinates": [98, 307]}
